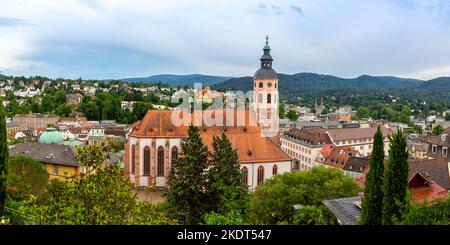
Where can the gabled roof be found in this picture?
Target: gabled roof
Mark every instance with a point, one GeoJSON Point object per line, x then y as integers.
{"type": "Point", "coordinates": [434, 169]}
{"type": "Point", "coordinates": [316, 136]}
{"type": "Point", "coordinates": [345, 209]}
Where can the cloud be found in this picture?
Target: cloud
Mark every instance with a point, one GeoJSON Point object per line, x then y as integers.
{"type": "Point", "coordinates": [5, 21]}
{"type": "Point", "coordinates": [297, 9]}
{"type": "Point", "coordinates": [123, 38]}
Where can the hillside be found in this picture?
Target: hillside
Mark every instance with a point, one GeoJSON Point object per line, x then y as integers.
{"type": "Point", "coordinates": [301, 82]}
{"type": "Point", "coordinates": [180, 80]}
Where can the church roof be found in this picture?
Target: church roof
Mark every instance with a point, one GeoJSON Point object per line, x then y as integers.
{"type": "Point", "coordinates": [265, 73]}
{"type": "Point", "coordinates": [247, 139]}
{"type": "Point", "coordinates": [51, 136]}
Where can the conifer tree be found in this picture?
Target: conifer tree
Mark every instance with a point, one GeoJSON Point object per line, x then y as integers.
{"type": "Point", "coordinates": [227, 190]}
{"type": "Point", "coordinates": [4, 152]}
{"type": "Point", "coordinates": [395, 184]}
{"type": "Point", "coordinates": [187, 197]}
{"type": "Point", "coordinates": [372, 204]}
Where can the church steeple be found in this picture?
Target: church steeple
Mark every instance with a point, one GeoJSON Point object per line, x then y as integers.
{"type": "Point", "coordinates": [266, 59]}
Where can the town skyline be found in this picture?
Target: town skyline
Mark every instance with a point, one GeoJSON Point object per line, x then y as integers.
{"type": "Point", "coordinates": [104, 40]}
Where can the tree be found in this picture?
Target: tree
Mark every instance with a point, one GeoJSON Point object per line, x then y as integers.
{"type": "Point", "coordinates": [439, 129]}
{"type": "Point", "coordinates": [4, 154]}
{"type": "Point", "coordinates": [362, 112]}
{"type": "Point", "coordinates": [26, 177]}
{"type": "Point", "coordinates": [272, 202]}
{"type": "Point", "coordinates": [447, 116]}
{"type": "Point", "coordinates": [140, 109]}
{"type": "Point", "coordinates": [292, 115]}
{"type": "Point", "coordinates": [63, 110]}
{"type": "Point", "coordinates": [60, 97]}
{"type": "Point", "coordinates": [395, 184]}
{"type": "Point", "coordinates": [435, 213]}
{"type": "Point", "coordinates": [372, 204]}
{"type": "Point", "coordinates": [100, 196]}
{"type": "Point", "coordinates": [310, 215]}
{"type": "Point", "coordinates": [187, 183]}
{"type": "Point", "coordinates": [91, 110]}
{"type": "Point", "coordinates": [281, 111]}
{"type": "Point", "coordinates": [228, 194]}
{"type": "Point", "coordinates": [47, 104]}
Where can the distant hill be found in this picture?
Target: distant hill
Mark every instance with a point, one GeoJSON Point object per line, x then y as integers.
{"type": "Point", "coordinates": [180, 80]}
{"type": "Point", "coordinates": [310, 82]}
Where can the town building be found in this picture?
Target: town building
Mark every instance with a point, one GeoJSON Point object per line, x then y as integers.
{"type": "Point", "coordinates": [304, 146]}
{"type": "Point", "coordinates": [72, 121]}
{"type": "Point", "coordinates": [359, 138]}
{"type": "Point", "coordinates": [345, 158]}
{"type": "Point", "coordinates": [35, 120]}
{"type": "Point", "coordinates": [74, 99]}
{"type": "Point", "coordinates": [438, 146]}
{"type": "Point", "coordinates": [58, 160]}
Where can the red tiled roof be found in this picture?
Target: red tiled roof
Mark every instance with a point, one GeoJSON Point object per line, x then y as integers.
{"type": "Point", "coordinates": [247, 139]}
{"type": "Point", "coordinates": [428, 193]}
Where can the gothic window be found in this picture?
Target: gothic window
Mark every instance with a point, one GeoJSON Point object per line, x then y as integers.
{"type": "Point", "coordinates": [260, 178]}
{"type": "Point", "coordinates": [274, 170]}
{"type": "Point", "coordinates": [146, 161]}
{"type": "Point", "coordinates": [174, 154]}
{"type": "Point", "coordinates": [260, 85]}
{"type": "Point", "coordinates": [160, 171]}
{"type": "Point", "coordinates": [133, 158]}
{"type": "Point", "coordinates": [245, 175]}
{"type": "Point", "coordinates": [269, 98]}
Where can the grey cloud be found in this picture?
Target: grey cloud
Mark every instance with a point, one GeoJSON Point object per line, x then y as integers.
{"type": "Point", "coordinates": [297, 10]}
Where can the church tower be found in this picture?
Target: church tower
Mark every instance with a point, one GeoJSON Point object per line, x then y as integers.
{"type": "Point", "coordinates": [265, 92]}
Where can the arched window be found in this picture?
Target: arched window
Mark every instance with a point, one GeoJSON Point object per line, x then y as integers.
{"type": "Point", "coordinates": [260, 178]}
{"type": "Point", "coordinates": [174, 154]}
{"type": "Point", "coordinates": [275, 85]}
{"type": "Point", "coordinates": [160, 171]}
{"type": "Point", "coordinates": [133, 158]}
{"type": "Point", "coordinates": [245, 175]}
{"type": "Point", "coordinates": [146, 161]}
{"type": "Point", "coordinates": [260, 85]}
{"type": "Point", "coordinates": [269, 98]}
{"type": "Point", "coordinates": [274, 170]}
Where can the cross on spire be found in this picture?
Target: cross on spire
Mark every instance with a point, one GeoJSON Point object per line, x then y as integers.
{"type": "Point", "coordinates": [267, 39]}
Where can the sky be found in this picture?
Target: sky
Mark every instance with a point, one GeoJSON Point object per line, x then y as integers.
{"type": "Point", "coordinates": [107, 39]}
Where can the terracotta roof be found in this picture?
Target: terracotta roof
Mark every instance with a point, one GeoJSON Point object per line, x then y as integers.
{"type": "Point", "coordinates": [84, 119]}
{"type": "Point", "coordinates": [326, 150]}
{"type": "Point", "coordinates": [433, 169]}
{"type": "Point", "coordinates": [355, 133]}
{"type": "Point", "coordinates": [247, 139]}
{"type": "Point", "coordinates": [428, 193]}
{"type": "Point", "coordinates": [315, 136]}
{"type": "Point", "coordinates": [339, 156]}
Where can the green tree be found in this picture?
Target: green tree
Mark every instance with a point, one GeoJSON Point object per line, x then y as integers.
{"type": "Point", "coordinates": [26, 177]}
{"type": "Point", "coordinates": [310, 215]}
{"type": "Point", "coordinates": [228, 194]}
{"type": "Point", "coordinates": [447, 116]}
{"type": "Point", "coordinates": [292, 115]}
{"type": "Point", "coordinates": [91, 110]}
{"type": "Point", "coordinates": [272, 202]}
{"type": "Point", "coordinates": [60, 97]}
{"type": "Point", "coordinates": [439, 129]}
{"type": "Point", "coordinates": [395, 184]}
{"type": "Point", "coordinates": [140, 109]}
{"type": "Point", "coordinates": [100, 196]}
{"type": "Point", "coordinates": [372, 204]}
{"type": "Point", "coordinates": [4, 154]}
{"type": "Point", "coordinates": [362, 112]}
{"type": "Point", "coordinates": [281, 111]}
{"type": "Point", "coordinates": [63, 110]}
{"type": "Point", "coordinates": [186, 197]}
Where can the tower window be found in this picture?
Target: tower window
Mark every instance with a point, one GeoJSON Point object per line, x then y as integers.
{"type": "Point", "coordinates": [260, 85]}
{"type": "Point", "coordinates": [269, 85]}
{"type": "Point", "coordinates": [275, 85]}
{"type": "Point", "coordinates": [260, 98]}
{"type": "Point", "coordinates": [269, 98]}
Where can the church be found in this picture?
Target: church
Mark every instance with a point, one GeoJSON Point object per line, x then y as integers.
{"type": "Point", "coordinates": [155, 141]}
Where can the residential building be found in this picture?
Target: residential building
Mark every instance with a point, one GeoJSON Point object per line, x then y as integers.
{"type": "Point", "coordinates": [304, 146]}
{"type": "Point", "coordinates": [359, 138]}
{"type": "Point", "coordinates": [58, 160]}
{"type": "Point", "coordinates": [72, 121]}
{"type": "Point", "coordinates": [74, 99]}
{"type": "Point", "coordinates": [35, 120]}
{"type": "Point", "coordinates": [345, 158]}
{"type": "Point", "coordinates": [438, 146]}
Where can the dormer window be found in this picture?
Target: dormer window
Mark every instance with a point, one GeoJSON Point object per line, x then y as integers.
{"type": "Point", "coordinates": [434, 149]}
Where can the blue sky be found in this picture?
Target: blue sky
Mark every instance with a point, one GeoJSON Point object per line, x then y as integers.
{"type": "Point", "coordinates": [127, 38]}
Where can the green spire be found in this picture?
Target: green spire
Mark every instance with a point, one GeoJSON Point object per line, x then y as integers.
{"type": "Point", "coordinates": [267, 42]}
